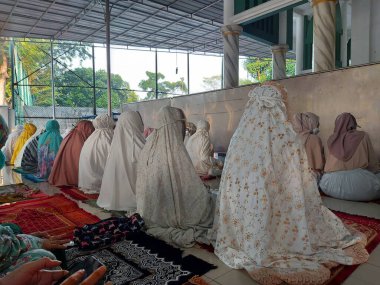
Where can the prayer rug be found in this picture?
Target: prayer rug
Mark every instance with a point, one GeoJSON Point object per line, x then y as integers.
{"type": "Point", "coordinates": [371, 228]}
{"type": "Point", "coordinates": [20, 192]}
{"type": "Point", "coordinates": [142, 259]}
{"type": "Point", "coordinates": [54, 215]}
{"type": "Point", "coordinates": [77, 194]}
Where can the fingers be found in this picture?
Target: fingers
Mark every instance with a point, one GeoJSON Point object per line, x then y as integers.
{"type": "Point", "coordinates": [58, 244]}
{"type": "Point", "coordinates": [95, 276]}
{"type": "Point", "coordinates": [42, 264]}
{"type": "Point", "coordinates": [53, 275]}
{"type": "Point", "coordinates": [58, 237]}
{"type": "Point", "coordinates": [74, 279]}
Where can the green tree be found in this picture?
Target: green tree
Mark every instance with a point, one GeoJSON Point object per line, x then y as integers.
{"type": "Point", "coordinates": [36, 60]}
{"type": "Point", "coordinates": [164, 87]}
{"type": "Point", "coordinates": [4, 71]}
{"type": "Point", "coordinates": [261, 68]}
{"type": "Point", "coordinates": [82, 94]}
{"type": "Point", "coordinates": [212, 83]}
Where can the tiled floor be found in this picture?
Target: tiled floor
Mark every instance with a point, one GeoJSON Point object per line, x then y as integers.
{"type": "Point", "coordinates": [366, 274]}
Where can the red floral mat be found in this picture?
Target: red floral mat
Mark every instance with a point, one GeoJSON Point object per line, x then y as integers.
{"type": "Point", "coordinates": [54, 215]}
{"type": "Point", "coordinates": [19, 192]}
{"type": "Point", "coordinates": [371, 228]}
{"type": "Point", "coordinates": [77, 194]}
{"type": "Point", "coordinates": [196, 280]}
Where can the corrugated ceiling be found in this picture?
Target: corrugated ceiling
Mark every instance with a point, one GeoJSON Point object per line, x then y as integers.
{"type": "Point", "coordinates": [191, 25]}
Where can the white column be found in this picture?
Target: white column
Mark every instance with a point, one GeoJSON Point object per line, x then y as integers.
{"type": "Point", "coordinates": [360, 31]}
{"type": "Point", "coordinates": [279, 61]}
{"type": "Point", "coordinates": [324, 13]}
{"type": "Point", "coordinates": [231, 55]}
{"type": "Point", "coordinates": [343, 48]}
{"type": "Point", "coordinates": [228, 11]}
{"type": "Point", "coordinates": [299, 43]}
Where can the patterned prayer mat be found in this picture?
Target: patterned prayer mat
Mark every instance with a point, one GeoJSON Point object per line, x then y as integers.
{"type": "Point", "coordinates": [19, 192]}
{"type": "Point", "coordinates": [371, 228]}
{"type": "Point", "coordinates": [77, 194]}
{"type": "Point", "coordinates": [54, 215]}
{"type": "Point", "coordinates": [142, 259]}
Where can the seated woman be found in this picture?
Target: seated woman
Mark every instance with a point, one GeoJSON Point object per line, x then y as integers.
{"type": "Point", "coordinates": [190, 130]}
{"type": "Point", "coordinates": [201, 153]}
{"type": "Point", "coordinates": [306, 126]}
{"type": "Point", "coordinates": [17, 249]}
{"type": "Point", "coordinates": [20, 156]}
{"type": "Point", "coordinates": [66, 164]}
{"type": "Point", "coordinates": [118, 190]}
{"type": "Point", "coordinates": [94, 154]}
{"type": "Point", "coordinates": [48, 147]}
{"type": "Point", "coordinates": [4, 131]}
{"type": "Point", "coordinates": [171, 198]}
{"type": "Point", "coordinates": [29, 130]}
{"type": "Point", "coordinates": [29, 161]}
{"type": "Point", "coordinates": [271, 220]}
{"type": "Point", "coordinates": [351, 163]}
{"type": "Point", "coordinates": [11, 142]}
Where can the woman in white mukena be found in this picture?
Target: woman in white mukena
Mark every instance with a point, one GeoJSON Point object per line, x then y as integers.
{"type": "Point", "coordinates": [271, 220]}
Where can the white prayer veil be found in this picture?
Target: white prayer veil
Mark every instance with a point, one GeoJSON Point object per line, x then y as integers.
{"type": "Point", "coordinates": [94, 154]}
{"type": "Point", "coordinates": [271, 220]}
{"type": "Point", "coordinates": [171, 198]}
{"type": "Point", "coordinates": [118, 190]}
{"type": "Point", "coordinates": [199, 148]}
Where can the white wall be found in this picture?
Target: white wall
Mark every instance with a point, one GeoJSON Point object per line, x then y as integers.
{"type": "Point", "coordinates": [327, 94]}
{"type": "Point", "coordinates": [365, 36]}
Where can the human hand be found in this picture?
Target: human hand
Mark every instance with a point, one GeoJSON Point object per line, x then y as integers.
{"type": "Point", "coordinates": [75, 279]}
{"type": "Point", "coordinates": [35, 273]}
{"type": "Point", "coordinates": [55, 242]}
{"type": "Point", "coordinates": [41, 235]}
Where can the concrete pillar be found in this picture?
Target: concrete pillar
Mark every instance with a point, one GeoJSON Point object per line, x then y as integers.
{"type": "Point", "coordinates": [360, 32]}
{"type": "Point", "coordinates": [231, 55]}
{"type": "Point", "coordinates": [324, 12]}
{"type": "Point", "coordinates": [343, 48]}
{"type": "Point", "coordinates": [299, 43]}
{"type": "Point", "coordinates": [279, 61]}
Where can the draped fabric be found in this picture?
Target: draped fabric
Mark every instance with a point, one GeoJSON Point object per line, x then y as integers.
{"type": "Point", "coordinates": [18, 249]}
{"type": "Point", "coordinates": [11, 142]}
{"type": "Point", "coordinates": [19, 158]}
{"type": "Point", "coordinates": [4, 131]}
{"type": "Point", "coordinates": [171, 198]}
{"type": "Point", "coordinates": [29, 130]}
{"type": "Point", "coordinates": [306, 126]}
{"type": "Point", "coordinates": [271, 220]}
{"type": "Point", "coordinates": [48, 146]}
{"type": "Point", "coordinates": [66, 164]}
{"type": "Point", "coordinates": [118, 189]}
{"type": "Point", "coordinates": [345, 139]}
{"type": "Point", "coordinates": [148, 131]}
{"type": "Point", "coordinates": [94, 154]}
{"type": "Point", "coordinates": [29, 161]}
{"type": "Point", "coordinates": [199, 148]}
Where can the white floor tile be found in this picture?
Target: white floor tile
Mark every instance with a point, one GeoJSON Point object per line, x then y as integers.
{"type": "Point", "coordinates": [367, 273]}
{"type": "Point", "coordinates": [374, 258]}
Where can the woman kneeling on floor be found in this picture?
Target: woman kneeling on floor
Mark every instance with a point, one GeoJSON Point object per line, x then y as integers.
{"type": "Point", "coordinates": [351, 165]}
{"type": "Point", "coordinates": [171, 198]}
